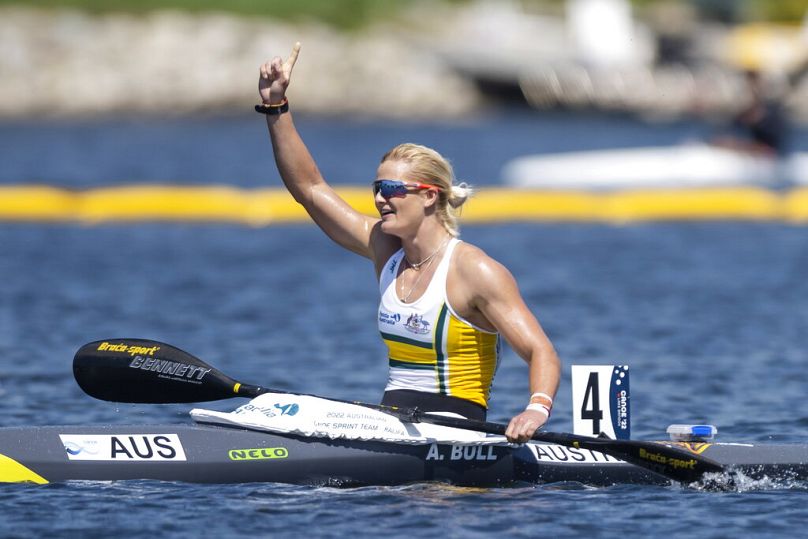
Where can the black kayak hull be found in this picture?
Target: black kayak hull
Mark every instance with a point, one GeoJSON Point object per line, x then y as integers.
{"type": "Point", "coordinates": [213, 454]}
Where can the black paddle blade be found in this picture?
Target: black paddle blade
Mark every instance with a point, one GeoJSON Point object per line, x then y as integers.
{"type": "Point", "coordinates": [145, 371]}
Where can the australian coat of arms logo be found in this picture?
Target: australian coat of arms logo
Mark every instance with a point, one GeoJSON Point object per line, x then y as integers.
{"type": "Point", "coordinates": [416, 324]}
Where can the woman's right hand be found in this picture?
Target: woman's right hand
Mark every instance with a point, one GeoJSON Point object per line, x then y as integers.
{"type": "Point", "coordinates": [275, 77]}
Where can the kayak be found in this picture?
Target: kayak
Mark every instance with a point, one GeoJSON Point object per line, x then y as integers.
{"type": "Point", "coordinates": [282, 437]}
{"type": "Point", "coordinates": [688, 165]}
{"type": "Point", "coordinates": [200, 453]}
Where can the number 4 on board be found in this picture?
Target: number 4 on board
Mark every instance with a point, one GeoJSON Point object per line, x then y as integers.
{"type": "Point", "coordinates": [600, 400]}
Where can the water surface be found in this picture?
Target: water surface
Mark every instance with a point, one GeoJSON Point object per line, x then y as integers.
{"type": "Point", "coordinates": [711, 317]}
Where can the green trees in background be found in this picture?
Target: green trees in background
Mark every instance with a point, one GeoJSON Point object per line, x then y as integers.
{"type": "Point", "coordinates": [356, 13]}
{"type": "Point", "coordinates": [340, 13]}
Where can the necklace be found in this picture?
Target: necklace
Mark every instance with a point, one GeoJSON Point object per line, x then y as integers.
{"type": "Point", "coordinates": [417, 268]}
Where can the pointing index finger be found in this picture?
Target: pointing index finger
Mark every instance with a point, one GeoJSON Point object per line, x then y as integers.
{"type": "Point", "coordinates": [293, 57]}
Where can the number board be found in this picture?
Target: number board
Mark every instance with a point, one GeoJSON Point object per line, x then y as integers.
{"type": "Point", "coordinates": [600, 400]}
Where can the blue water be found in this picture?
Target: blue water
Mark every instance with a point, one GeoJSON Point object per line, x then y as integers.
{"type": "Point", "coordinates": [234, 149]}
{"type": "Point", "coordinates": [711, 317]}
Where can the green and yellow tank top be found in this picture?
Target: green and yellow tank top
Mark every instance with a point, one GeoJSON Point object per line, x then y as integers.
{"type": "Point", "coordinates": [430, 347]}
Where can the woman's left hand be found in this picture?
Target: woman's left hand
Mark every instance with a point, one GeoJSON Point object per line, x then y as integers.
{"type": "Point", "coordinates": [275, 77]}
{"type": "Point", "coordinates": [523, 426]}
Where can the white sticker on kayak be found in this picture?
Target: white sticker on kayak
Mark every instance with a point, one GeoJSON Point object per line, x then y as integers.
{"type": "Point", "coordinates": [559, 453]}
{"type": "Point", "coordinates": [126, 447]}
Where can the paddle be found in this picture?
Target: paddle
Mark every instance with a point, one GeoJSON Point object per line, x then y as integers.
{"type": "Point", "coordinates": [146, 371]}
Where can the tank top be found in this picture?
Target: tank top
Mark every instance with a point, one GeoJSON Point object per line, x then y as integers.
{"type": "Point", "coordinates": [430, 348]}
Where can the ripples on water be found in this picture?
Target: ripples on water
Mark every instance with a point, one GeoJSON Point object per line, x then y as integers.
{"type": "Point", "coordinates": [425, 510]}
{"type": "Point", "coordinates": [709, 316]}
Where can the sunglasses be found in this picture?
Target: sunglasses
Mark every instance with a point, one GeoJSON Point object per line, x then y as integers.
{"type": "Point", "coordinates": [397, 188]}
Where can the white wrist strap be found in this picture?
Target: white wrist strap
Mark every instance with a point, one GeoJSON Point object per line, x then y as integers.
{"type": "Point", "coordinates": [536, 407]}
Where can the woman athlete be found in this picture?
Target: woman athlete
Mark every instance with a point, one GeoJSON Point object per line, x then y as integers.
{"type": "Point", "coordinates": [444, 302]}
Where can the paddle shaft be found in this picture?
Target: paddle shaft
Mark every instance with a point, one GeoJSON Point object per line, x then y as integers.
{"type": "Point", "coordinates": [146, 371]}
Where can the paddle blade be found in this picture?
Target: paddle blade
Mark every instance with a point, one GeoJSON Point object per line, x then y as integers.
{"type": "Point", "coordinates": [673, 462]}
{"type": "Point", "coordinates": [145, 371]}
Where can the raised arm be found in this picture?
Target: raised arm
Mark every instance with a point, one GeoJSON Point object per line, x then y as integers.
{"type": "Point", "coordinates": [299, 172]}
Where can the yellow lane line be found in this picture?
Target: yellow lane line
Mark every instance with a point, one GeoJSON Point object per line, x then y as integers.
{"type": "Point", "coordinates": [261, 207]}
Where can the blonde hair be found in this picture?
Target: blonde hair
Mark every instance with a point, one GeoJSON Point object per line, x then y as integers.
{"type": "Point", "coordinates": [428, 166]}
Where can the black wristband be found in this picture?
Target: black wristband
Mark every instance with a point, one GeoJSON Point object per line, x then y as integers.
{"type": "Point", "coordinates": [273, 110]}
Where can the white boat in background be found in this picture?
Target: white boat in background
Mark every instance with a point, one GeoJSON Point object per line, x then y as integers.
{"type": "Point", "coordinates": [684, 166]}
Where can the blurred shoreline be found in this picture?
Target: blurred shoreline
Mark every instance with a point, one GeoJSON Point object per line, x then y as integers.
{"type": "Point", "coordinates": [438, 61]}
{"type": "Point", "coordinates": [71, 63]}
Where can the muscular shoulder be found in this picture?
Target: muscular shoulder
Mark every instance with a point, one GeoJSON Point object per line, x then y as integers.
{"type": "Point", "coordinates": [480, 275]}
{"type": "Point", "coordinates": [471, 261]}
